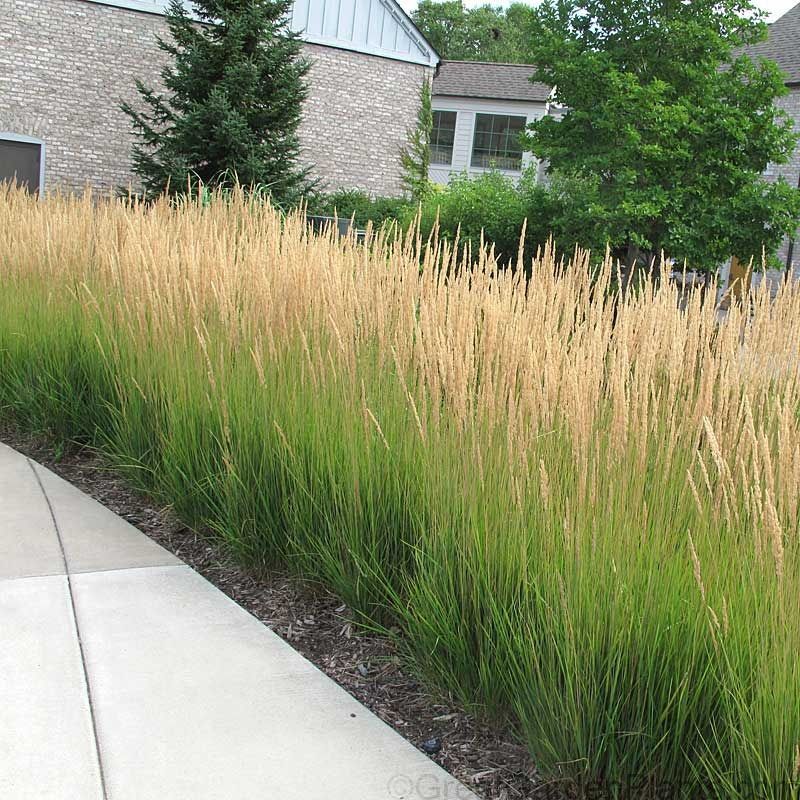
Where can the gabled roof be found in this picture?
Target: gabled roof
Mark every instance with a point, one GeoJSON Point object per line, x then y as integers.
{"type": "Point", "coordinates": [783, 45]}
{"type": "Point", "coordinates": [489, 80]}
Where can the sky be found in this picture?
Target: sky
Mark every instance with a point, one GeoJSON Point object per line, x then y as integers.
{"type": "Point", "coordinates": [773, 7]}
{"type": "Point", "coordinates": [776, 7]}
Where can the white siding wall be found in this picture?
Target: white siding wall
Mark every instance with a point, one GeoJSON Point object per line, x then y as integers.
{"type": "Point", "coordinates": [376, 27]}
{"type": "Point", "coordinates": [467, 108]}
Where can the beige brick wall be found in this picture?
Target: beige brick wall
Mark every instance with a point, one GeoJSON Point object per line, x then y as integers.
{"type": "Point", "coordinates": [64, 67]}
{"type": "Point", "coordinates": [66, 64]}
{"type": "Point", "coordinates": [357, 117]}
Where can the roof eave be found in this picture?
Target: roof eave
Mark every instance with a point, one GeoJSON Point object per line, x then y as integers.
{"type": "Point", "coordinates": [490, 97]}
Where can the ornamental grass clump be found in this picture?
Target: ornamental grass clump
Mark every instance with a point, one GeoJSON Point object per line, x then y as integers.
{"type": "Point", "coordinates": [579, 508]}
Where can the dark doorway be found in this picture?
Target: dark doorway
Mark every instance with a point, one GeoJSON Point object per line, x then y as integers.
{"type": "Point", "coordinates": [21, 161]}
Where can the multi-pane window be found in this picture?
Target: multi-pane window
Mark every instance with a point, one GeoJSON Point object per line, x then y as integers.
{"type": "Point", "coordinates": [442, 137]}
{"type": "Point", "coordinates": [496, 143]}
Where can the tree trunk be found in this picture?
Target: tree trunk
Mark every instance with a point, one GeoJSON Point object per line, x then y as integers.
{"type": "Point", "coordinates": [632, 256]}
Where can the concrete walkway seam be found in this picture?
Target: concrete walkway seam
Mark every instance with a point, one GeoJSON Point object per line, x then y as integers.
{"type": "Point", "coordinates": [77, 630]}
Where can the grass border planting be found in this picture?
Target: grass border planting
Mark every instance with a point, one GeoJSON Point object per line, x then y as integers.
{"type": "Point", "coordinates": [578, 506]}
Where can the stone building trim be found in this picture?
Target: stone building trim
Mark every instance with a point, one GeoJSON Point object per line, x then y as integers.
{"type": "Point", "coordinates": [145, 6]}
{"type": "Point", "coordinates": [9, 136]}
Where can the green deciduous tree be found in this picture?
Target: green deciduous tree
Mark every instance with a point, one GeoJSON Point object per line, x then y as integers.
{"type": "Point", "coordinates": [232, 95]}
{"type": "Point", "coordinates": [415, 157]}
{"type": "Point", "coordinates": [484, 33]}
{"type": "Point", "coordinates": [668, 123]}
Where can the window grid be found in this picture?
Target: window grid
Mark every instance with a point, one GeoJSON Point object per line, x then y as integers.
{"type": "Point", "coordinates": [442, 137]}
{"type": "Point", "coordinates": [496, 141]}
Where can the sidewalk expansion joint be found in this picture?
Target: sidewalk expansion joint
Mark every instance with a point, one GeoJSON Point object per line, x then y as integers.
{"type": "Point", "coordinates": [77, 630]}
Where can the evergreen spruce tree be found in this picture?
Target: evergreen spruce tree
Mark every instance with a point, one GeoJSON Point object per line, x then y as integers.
{"type": "Point", "coordinates": [233, 93]}
{"type": "Point", "coordinates": [415, 157]}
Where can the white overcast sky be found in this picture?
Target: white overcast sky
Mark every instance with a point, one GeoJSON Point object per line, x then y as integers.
{"type": "Point", "coordinates": [776, 7]}
{"type": "Point", "coordinates": [773, 7]}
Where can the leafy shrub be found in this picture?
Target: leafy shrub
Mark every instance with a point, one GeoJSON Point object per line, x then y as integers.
{"type": "Point", "coordinates": [491, 205]}
{"type": "Point", "coordinates": [579, 217]}
{"type": "Point", "coordinates": [363, 208]}
{"type": "Point", "coordinates": [494, 205]}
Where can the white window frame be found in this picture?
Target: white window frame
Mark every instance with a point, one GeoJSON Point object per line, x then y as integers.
{"type": "Point", "coordinates": [455, 131]}
{"type": "Point", "coordinates": [8, 136]}
{"type": "Point", "coordinates": [487, 113]}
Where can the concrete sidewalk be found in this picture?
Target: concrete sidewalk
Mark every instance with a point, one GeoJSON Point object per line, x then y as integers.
{"type": "Point", "coordinates": [126, 675]}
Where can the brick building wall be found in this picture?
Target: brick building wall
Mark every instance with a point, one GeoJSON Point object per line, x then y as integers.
{"type": "Point", "coordinates": [357, 117]}
{"type": "Point", "coordinates": [65, 65]}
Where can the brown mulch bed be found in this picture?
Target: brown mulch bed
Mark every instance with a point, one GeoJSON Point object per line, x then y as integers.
{"type": "Point", "coordinates": [318, 625]}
